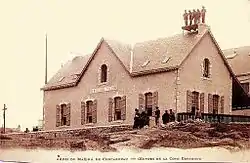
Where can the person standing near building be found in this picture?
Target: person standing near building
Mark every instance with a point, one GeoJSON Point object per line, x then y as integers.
{"type": "Point", "coordinates": [197, 114]}
{"type": "Point", "coordinates": [172, 115]}
{"type": "Point", "coordinates": [157, 116]}
{"type": "Point", "coordinates": [165, 117]}
{"type": "Point", "coordinates": [136, 119]}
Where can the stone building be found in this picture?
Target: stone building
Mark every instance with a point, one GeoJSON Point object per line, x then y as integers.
{"type": "Point", "coordinates": [182, 72]}
{"type": "Point", "coordinates": [239, 60]}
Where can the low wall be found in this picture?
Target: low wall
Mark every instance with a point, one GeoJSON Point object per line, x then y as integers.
{"type": "Point", "coordinates": [69, 133]}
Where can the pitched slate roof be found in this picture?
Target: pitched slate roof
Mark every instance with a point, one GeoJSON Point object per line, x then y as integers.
{"type": "Point", "coordinates": [239, 59]}
{"type": "Point", "coordinates": [69, 74]}
{"type": "Point", "coordinates": [163, 54]}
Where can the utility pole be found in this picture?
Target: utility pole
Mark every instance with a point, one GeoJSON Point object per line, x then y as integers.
{"type": "Point", "coordinates": [46, 74]}
{"type": "Point", "coordinates": [46, 60]}
{"type": "Point", "coordinates": [4, 109]}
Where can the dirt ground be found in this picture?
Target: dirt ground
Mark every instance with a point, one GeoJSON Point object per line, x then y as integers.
{"type": "Point", "coordinates": [177, 135]}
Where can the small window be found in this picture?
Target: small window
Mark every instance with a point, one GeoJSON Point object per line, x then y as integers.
{"type": "Point", "coordinates": [61, 79]}
{"type": "Point", "coordinates": [63, 114]}
{"type": "Point", "coordinates": [89, 105]}
{"type": "Point", "coordinates": [149, 103]}
{"type": "Point", "coordinates": [166, 59]}
{"type": "Point", "coordinates": [206, 68]}
{"type": "Point", "coordinates": [145, 63]}
{"type": "Point", "coordinates": [117, 101]}
{"type": "Point", "coordinates": [104, 73]}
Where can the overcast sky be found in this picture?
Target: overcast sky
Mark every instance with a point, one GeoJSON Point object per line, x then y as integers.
{"type": "Point", "coordinates": [77, 26]}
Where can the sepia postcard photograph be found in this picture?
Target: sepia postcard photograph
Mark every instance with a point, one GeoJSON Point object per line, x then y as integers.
{"type": "Point", "coordinates": [150, 81]}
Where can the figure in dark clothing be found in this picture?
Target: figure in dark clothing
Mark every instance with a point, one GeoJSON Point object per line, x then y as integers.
{"type": "Point", "coordinates": [165, 117]}
{"type": "Point", "coordinates": [203, 14]}
{"type": "Point", "coordinates": [157, 115]}
{"type": "Point", "coordinates": [143, 119]}
{"type": "Point", "coordinates": [197, 114]}
{"type": "Point", "coordinates": [146, 119]}
{"type": "Point", "coordinates": [172, 115]}
{"type": "Point", "coordinates": [136, 119]}
{"type": "Point", "coordinates": [190, 15]}
{"type": "Point", "coordinates": [198, 16]}
{"type": "Point", "coordinates": [185, 17]}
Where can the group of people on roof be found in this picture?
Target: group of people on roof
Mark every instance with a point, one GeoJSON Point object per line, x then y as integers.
{"type": "Point", "coordinates": [141, 119]}
{"type": "Point", "coordinates": [194, 16]}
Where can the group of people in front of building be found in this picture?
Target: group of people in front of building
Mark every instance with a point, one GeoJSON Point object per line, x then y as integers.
{"type": "Point", "coordinates": [142, 119]}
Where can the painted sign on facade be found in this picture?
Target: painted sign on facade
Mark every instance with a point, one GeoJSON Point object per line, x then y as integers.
{"type": "Point", "coordinates": [103, 89]}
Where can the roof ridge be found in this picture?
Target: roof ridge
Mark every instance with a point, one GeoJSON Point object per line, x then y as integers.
{"type": "Point", "coordinates": [156, 39]}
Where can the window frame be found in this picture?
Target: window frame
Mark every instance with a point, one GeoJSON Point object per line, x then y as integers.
{"type": "Point", "coordinates": [89, 111]}
{"type": "Point", "coordinates": [195, 100]}
{"type": "Point", "coordinates": [206, 68]}
{"type": "Point", "coordinates": [148, 107]}
{"type": "Point", "coordinates": [117, 108]}
{"type": "Point", "coordinates": [104, 74]}
{"type": "Point", "coordinates": [216, 99]}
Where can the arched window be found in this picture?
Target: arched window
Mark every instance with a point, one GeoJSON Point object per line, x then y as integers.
{"type": "Point", "coordinates": [206, 68]}
{"type": "Point", "coordinates": [89, 105]}
{"type": "Point", "coordinates": [104, 73]}
{"type": "Point", "coordinates": [149, 103]}
{"type": "Point", "coordinates": [117, 101]}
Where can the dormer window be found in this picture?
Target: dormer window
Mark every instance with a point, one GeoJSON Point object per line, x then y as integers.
{"type": "Point", "coordinates": [103, 73]}
{"type": "Point", "coordinates": [206, 68]}
{"type": "Point", "coordinates": [166, 59]}
{"type": "Point", "coordinates": [61, 79]}
{"type": "Point", "coordinates": [145, 63]}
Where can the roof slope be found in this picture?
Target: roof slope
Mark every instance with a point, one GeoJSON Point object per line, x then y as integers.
{"type": "Point", "coordinates": [69, 74]}
{"type": "Point", "coordinates": [159, 55]}
{"type": "Point", "coordinates": [163, 53]}
{"type": "Point", "coordinates": [239, 59]}
{"type": "Point", "coordinates": [122, 51]}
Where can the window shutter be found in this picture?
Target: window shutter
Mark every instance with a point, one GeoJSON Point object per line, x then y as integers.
{"type": "Point", "coordinates": [141, 101]}
{"type": "Point", "coordinates": [58, 116]}
{"type": "Point", "coordinates": [110, 110]}
{"type": "Point", "coordinates": [210, 103]}
{"type": "Point", "coordinates": [155, 102]}
{"type": "Point", "coordinates": [222, 104]}
{"type": "Point", "coordinates": [83, 113]}
{"type": "Point", "coordinates": [202, 100]}
{"type": "Point", "coordinates": [189, 101]}
{"type": "Point", "coordinates": [123, 107]}
{"type": "Point", "coordinates": [94, 111]}
{"type": "Point", "coordinates": [68, 106]}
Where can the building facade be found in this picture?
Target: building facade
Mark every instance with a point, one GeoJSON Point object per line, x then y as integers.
{"type": "Point", "coordinates": [239, 59]}
{"type": "Point", "coordinates": [182, 73]}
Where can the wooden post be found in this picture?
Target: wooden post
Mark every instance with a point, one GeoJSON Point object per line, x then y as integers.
{"type": "Point", "coordinates": [4, 109]}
